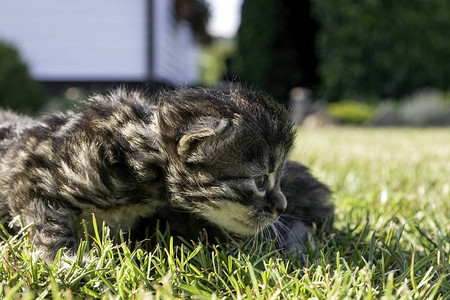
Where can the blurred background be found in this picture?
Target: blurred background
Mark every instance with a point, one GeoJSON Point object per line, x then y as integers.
{"type": "Point", "coordinates": [371, 62]}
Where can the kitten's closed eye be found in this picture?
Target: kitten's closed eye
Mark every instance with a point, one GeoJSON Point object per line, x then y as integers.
{"type": "Point", "coordinates": [261, 182]}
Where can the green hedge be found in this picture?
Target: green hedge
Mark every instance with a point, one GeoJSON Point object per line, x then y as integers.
{"type": "Point", "coordinates": [351, 111]}
{"type": "Point", "coordinates": [382, 48]}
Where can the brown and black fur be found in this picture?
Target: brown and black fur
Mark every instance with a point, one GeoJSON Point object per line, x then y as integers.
{"type": "Point", "coordinates": [124, 157]}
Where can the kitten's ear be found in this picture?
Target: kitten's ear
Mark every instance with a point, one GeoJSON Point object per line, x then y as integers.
{"type": "Point", "coordinates": [200, 131]}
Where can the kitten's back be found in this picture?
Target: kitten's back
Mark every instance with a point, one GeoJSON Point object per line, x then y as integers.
{"type": "Point", "coordinates": [11, 124]}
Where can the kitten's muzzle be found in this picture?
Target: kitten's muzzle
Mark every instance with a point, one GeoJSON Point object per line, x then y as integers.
{"type": "Point", "coordinates": [277, 203]}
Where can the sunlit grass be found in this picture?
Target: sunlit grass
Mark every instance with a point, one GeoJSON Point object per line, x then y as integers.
{"type": "Point", "coordinates": [390, 239]}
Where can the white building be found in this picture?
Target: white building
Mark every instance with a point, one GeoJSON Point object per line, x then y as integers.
{"type": "Point", "coordinates": [101, 40]}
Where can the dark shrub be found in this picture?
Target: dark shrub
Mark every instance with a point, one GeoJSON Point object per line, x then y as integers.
{"type": "Point", "coordinates": [18, 91]}
{"type": "Point", "coordinates": [276, 46]}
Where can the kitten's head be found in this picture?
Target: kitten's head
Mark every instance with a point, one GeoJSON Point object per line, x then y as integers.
{"type": "Point", "coordinates": [225, 151]}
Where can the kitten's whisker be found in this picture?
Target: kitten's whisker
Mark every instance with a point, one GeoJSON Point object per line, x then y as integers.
{"type": "Point", "coordinates": [300, 217]}
{"type": "Point", "coordinates": [254, 240]}
{"type": "Point", "coordinates": [266, 234]}
{"type": "Point", "coordinates": [264, 239]}
{"type": "Point", "coordinates": [261, 230]}
{"type": "Point", "coordinates": [269, 234]}
{"type": "Point", "coordinates": [258, 243]}
{"type": "Point", "coordinates": [279, 237]}
{"type": "Point", "coordinates": [282, 225]}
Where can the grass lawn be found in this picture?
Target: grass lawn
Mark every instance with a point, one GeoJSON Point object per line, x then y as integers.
{"type": "Point", "coordinates": [390, 237]}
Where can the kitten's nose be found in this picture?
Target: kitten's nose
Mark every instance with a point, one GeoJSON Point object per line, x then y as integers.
{"type": "Point", "coordinates": [279, 203]}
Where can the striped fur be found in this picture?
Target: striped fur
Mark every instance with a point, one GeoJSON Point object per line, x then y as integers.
{"type": "Point", "coordinates": [124, 156]}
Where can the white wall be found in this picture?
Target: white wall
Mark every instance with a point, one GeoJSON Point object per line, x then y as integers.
{"type": "Point", "coordinates": [78, 39]}
{"type": "Point", "coordinates": [176, 53]}
{"type": "Point", "coordinates": [89, 40]}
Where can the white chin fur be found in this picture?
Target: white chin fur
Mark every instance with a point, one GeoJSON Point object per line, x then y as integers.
{"type": "Point", "coordinates": [232, 216]}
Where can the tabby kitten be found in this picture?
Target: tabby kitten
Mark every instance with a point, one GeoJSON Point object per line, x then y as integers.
{"type": "Point", "coordinates": [218, 154]}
